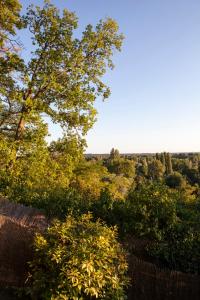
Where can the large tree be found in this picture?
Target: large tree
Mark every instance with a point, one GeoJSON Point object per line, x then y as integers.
{"type": "Point", "coordinates": [62, 78]}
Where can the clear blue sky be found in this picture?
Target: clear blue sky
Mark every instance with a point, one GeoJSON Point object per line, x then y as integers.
{"type": "Point", "coordinates": [155, 101]}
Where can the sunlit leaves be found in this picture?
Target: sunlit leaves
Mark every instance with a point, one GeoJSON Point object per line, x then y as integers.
{"type": "Point", "coordinates": [78, 259]}
{"type": "Point", "coordinates": [9, 21]}
{"type": "Point", "coordinates": [62, 77]}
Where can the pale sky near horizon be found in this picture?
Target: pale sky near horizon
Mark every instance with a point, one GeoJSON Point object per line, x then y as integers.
{"type": "Point", "coordinates": [155, 101]}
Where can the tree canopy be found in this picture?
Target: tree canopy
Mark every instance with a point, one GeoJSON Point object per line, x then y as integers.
{"type": "Point", "coordinates": [62, 78]}
{"type": "Point", "coordinates": [9, 22]}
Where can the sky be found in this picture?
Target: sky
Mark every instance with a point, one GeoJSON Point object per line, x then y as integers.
{"type": "Point", "coordinates": [155, 100]}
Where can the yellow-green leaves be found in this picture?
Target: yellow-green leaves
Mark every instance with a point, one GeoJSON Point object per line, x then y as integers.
{"type": "Point", "coordinates": [9, 20]}
{"type": "Point", "coordinates": [79, 259]}
{"type": "Point", "coordinates": [63, 76]}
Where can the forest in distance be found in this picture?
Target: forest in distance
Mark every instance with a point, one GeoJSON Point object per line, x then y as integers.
{"type": "Point", "coordinates": [129, 155]}
{"type": "Point", "coordinates": [104, 210]}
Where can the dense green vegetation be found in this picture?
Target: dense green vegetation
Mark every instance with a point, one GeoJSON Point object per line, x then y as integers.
{"type": "Point", "coordinates": [78, 259]}
{"type": "Point", "coordinates": [153, 197]}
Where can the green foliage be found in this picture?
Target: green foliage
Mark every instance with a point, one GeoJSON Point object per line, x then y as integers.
{"type": "Point", "coordinates": [168, 163]}
{"type": "Point", "coordinates": [118, 186]}
{"type": "Point", "coordinates": [180, 249]}
{"type": "Point", "coordinates": [9, 21]}
{"type": "Point", "coordinates": [121, 166]}
{"type": "Point", "coordinates": [153, 210]}
{"type": "Point", "coordinates": [148, 211]}
{"type": "Point", "coordinates": [114, 154]}
{"type": "Point", "coordinates": [88, 179]}
{"type": "Point", "coordinates": [142, 168]}
{"type": "Point", "coordinates": [78, 259]}
{"type": "Point", "coordinates": [175, 181]}
{"type": "Point", "coordinates": [62, 79]}
{"type": "Point", "coordinates": [91, 178]}
{"type": "Point", "coordinates": [155, 170]}
{"type": "Point", "coordinates": [192, 175]}
{"type": "Point", "coordinates": [39, 175]}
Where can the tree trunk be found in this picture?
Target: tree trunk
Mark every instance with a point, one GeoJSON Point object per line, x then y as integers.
{"type": "Point", "coordinates": [20, 128]}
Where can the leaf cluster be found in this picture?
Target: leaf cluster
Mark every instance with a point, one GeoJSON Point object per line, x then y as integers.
{"type": "Point", "coordinates": [78, 259]}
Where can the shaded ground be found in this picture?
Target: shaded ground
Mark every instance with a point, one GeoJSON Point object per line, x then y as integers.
{"type": "Point", "coordinates": [7, 295]}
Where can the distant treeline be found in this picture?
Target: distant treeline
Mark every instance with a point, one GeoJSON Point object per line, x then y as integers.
{"type": "Point", "coordinates": [145, 154]}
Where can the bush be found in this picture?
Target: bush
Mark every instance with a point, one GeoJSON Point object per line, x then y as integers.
{"type": "Point", "coordinates": [175, 181]}
{"type": "Point", "coordinates": [78, 259]}
{"type": "Point", "coordinates": [148, 211]}
{"type": "Point", "coordinates": [179, 250]}
{"type": "Point", "coordinates": [153, 210]}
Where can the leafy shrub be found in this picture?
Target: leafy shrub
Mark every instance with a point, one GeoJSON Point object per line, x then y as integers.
{"type": "Point", "coordinates": [153, 210]}
{"type": "Point", "coordinates": [63, 201]}
{"type": "Point", "coordinates": [175, 180]}
{"type": "Point", "coordinates": [78, 259]}
{"type": "Point", "coordinates": [148, 211]}
{"type": "Point", "coordinates": [179, 250]}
